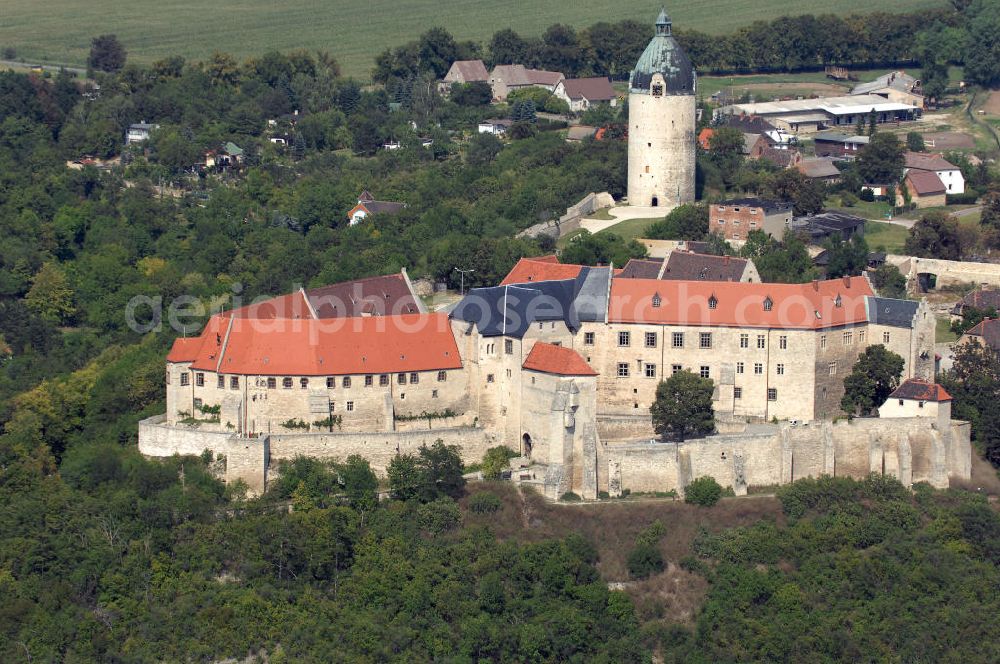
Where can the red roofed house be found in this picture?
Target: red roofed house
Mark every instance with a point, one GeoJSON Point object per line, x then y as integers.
{"type": "Point", "coordinates": [368, 205]}
{"type": "Point", "coordinates": [949, 174]}
{"type": "Point", "coordinates": [918, 398]}
{"type": "Point", "coordinates": [925, 189]}
{"type": "Point", "coordinates": [582, 93]}
{"type": "Point", "coordinates": [705, 137]}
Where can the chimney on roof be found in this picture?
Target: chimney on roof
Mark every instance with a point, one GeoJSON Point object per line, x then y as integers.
{"type": "Point", "coordinates": [816, 285]}
{"type": "Point", "coordinates": [847, 281]}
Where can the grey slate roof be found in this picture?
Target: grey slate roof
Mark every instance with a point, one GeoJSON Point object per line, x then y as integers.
{"type": "Point", "coordinates": [511, 310]}
{"type": "Point", "coordinates": [887, 311]}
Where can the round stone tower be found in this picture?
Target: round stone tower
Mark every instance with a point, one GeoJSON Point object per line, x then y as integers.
{"type": "Point", "coordinates": [661, 123]}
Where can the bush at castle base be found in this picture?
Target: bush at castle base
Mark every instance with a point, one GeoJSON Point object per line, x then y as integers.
{"type": "Point", "coordinates": [704, 491]}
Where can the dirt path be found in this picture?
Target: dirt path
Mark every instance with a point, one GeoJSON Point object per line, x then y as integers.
{"type": "Point", "coordinates": [992, 105]}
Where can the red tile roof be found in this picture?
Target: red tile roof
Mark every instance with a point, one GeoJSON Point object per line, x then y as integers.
{"type": "Point", "coordinates": [544, 268]}
{"type": "Point", "coordinates": [916, 389]}
{"type": "Point", "coordinates": [343, 346]}
{"type": "Point", "coordinates": [704, 136]}
{"type": "Point", "coordinates": [739, 304]}
{"type": "Point", "coordinates": [293, 305]}
{"type": "Point", "coordinates": [559, 360]}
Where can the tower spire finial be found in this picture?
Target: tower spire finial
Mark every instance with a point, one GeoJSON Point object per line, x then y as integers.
{"type": "Point", "coordinates": [663, 22]}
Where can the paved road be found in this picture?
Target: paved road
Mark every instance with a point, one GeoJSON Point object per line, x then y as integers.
{"type": "Point", "coordinates": [908, 223]}
{"type": "Point", "coordinates": [16, 64]}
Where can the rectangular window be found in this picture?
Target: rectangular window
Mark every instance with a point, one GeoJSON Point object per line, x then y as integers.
{"type": "Point", "coordinates": [885, 337]}
{"type": "Point", "coordinates": [783, 342]}
{"type": "Point", "coordinates": [624, 338]}
{"type": "Point", "coordinates": [739, 367]}
{"type": "Point", "coordinates": [168, 376]}
{"type": "Point", "coordinates": [705, 340]}
{"type": "Point", "coordinates": [848, 338]}
{"type": "Point", "coordinates": [286, 383]}
{"type": "Point", "coordinates": [414, 378]}
{"type": "Point", "coordinates": [350, 406]}
{"type": "Point", "coordinates": [199, 379]}
{"type": "Point", "coordinates": [650, 371]}
{"type": "Point", "coordinates": [369, 381]}
{"type": "Point", "coordinates": [623, 369]}
{"type": "Point", "coordinates": [676, 369]}
{"type": "Point", "coordinates": [220, 382]}
{"type": "Point", "coordinates": [833, 368]}
{"type": "Point", "coordinates": [489, 378]}
{"type": "Point", "coordinates": [272, 383]}
{"type": "Point", "coordinates": [758, 368]}
{"type": "Point", "coordinates": [780, 369]}
{"type": "Point", "coordinates": [588, 338]}
{"type": "Point", "coordinates": [234, 382]}
{"type": "Point", "coordinates": [508, 346]}
{"type": "Point", "coordinates": [704, 371]}
{"type": "Point", "coordinates": [442, 376]}
{"type": "Point", "coordinates": [772, 394]}
{"type": "Point", "coordinates": [331, 382]}
{"type": "Point", "coordinates": [383, 380]}
{"type": "Point", "coordinates": [434, 394]}
{"type": "Point", "coordinates": [651, 340]}
{"type": "Point", "coordinates": [861, 336]}
{"type": "Point", "coordinates": [304, 383]}
{"type": "Point", "coordinates": [185, 378]}
{"type": "Point", "coordinates": [744, 341]}
{"type": "Point", "coordinates": [822, 341]}
{"type": "Point", "coordinates": [401, 379]}
{"type": "Point", "coordinates": [346, 382]}
{"type": "Point", "coordinates": [198, 403]}
{"type": "Point", "coordinates": [678, 340]}
{"type": "Point", "coordinates": [760, 341]}
{"type": "Point", "coordinates": [737, 392]}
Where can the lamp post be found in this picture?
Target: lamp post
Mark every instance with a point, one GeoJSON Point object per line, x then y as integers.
{"type": "Point", "coordinates": [463, 273]}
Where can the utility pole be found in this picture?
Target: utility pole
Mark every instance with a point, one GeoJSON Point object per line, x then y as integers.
{"type": "Point", "coordinates": [463, 273]}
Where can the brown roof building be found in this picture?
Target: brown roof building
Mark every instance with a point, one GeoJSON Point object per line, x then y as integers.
{"type": "Point", "coordinates": [978, 299]}
{"type": "Point", "coordinates": [467, 71]}
{"type": "Point", "coordinates": [925, 188]}
{"type": "Point", "coordinates": [504, 79]}
{"type": "Point", "coordinates": [682, 265]}
{"type": "Point", "coordinates": [582, 93]}
{"type": "Point", "coordinates": [820, 168]}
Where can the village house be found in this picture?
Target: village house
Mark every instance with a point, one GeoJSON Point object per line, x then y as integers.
{"type": "Point", "coordinates": [896, 86]}
{"type": "Point", "coordinates": [949, 174]}
{"type": "Point", "coordinates": [823, 169]}
{"type": "Point", "coordinates": [582, 93]}
{"type": "Point", "coordinates": [504, 79]}
{"type": "Point", "coordinates": [463, 72]}
{"type": "Point", "coordinates": [925, 189]}
{"type": "Point", "coordinates": [733, 219]}
{"type": "Point", "coordinates": [818, 228]}
{"type": "Point", "coordinates": [754, 146]}
{"type": "Point", "coordinates": [782, 158]}
{"type": "Point", "coordinates": [495, 126]}
{"type": "Point", "coordinates": [838, 144]}
{"type": "Point", "coordinates": [367, 205]}
{"type": "Point", "coordinates": [986, 333]}
{"type": "Point", "coordinates": [983, 298]}
{"type": "Point", "coordinates": [139, 132]}
{"type": "Point", "coordinates": [752, 124]}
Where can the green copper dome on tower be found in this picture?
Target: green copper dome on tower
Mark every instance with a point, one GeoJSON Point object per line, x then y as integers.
{"type": "Point", "coordinates": [663, 56]}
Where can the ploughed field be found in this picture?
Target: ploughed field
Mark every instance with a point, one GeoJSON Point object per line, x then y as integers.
{"type": "Point", "coordinates": [354, 31]}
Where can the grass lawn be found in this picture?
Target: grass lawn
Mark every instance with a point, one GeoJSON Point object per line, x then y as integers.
{"type": "Point", "coordinates": [630, 229]}
{"type": "Point", "coordinates": [600, 214]}
{"type": "Point", "coordinates": [943, 333]}
{"type": "Point", "coordinates": [866, 209]}
{"type": "Point", "coordinates": [890, 236]}
{"type": "Point", "coordinates": [353, 31]}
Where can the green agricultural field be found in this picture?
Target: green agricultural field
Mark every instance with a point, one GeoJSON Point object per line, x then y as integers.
{"type": "Point", "coordinates": [354, 31]}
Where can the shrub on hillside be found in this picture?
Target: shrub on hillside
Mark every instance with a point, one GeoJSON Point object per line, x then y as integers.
{"type": "Point", "coordinates": [704, 491]}
{"type": "Point", "coordinates": [485, 503]}
{"type": "Point", "coordinates": [645, 559]}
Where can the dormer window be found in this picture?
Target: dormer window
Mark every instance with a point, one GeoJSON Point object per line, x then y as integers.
{"type": "Point", "coordinates": [838, 302]}
{"type": "Point", "coordinates": [713, 302]}
{"type": "Point", "coordinates": [768, 303]}
{"type": "Point", "coordinates": [657, 301]}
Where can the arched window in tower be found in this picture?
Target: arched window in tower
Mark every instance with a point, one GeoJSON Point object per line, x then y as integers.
{"type": "Point", "coordinates": [656, 201]}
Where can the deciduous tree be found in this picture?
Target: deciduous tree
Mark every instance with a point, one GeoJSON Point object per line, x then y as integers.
{"type": "Point", "coordinates": [683, 406]}
{"type": "Point", "coordinates": [874, 376]}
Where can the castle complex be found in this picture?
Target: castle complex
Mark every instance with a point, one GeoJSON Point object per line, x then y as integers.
{"type": "Point", "coordinates": [561, 362]}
